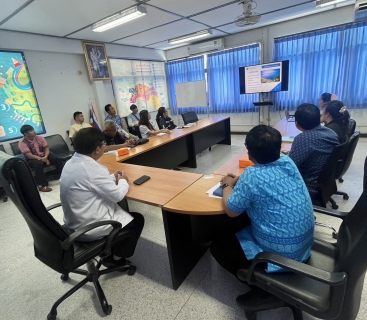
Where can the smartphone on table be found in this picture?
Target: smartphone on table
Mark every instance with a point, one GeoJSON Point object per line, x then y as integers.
{"type": "Point", "coordinates": [141, 180]}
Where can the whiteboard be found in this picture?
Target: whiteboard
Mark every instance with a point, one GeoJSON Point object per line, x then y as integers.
{"type": "Point", "coordinates": [191, 94]}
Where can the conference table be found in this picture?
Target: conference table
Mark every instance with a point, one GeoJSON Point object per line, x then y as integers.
{"type": "Point", "coordinates": [190, 216]}
{"type": "Point", "coordinates": [180, 147]}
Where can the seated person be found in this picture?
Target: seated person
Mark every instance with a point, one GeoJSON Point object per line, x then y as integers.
{"type": "Point", "coordinates": [336, 117]}
{"type": "Point", "coordinates": [146, 127]}
{"type": "Point", "coordinates": [118, 122]}
{"type": "Point", "coordinates": [325, 99]}
{"type": "Point", "coordinates": [163, 120]}
{"type": "Point", "coordinates": [89, 194]}
{"type": "Point", "coordinates": [276, 200]}
{"type": "Point", "coordinates": [79, 124]}
{"type": "Point", "coordinates": [37, 154]}
{"type": "Point", "coordinates": [133, 118]}
{"type": "Point", "coordinates": [311, 148]}
{"type": "Point", "coordinates": [114, 139]}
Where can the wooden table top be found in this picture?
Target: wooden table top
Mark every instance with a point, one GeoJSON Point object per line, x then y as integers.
{"type": "Point", "coordinates": [155, 142]}
{"type": "Point", "coordinates": [287, 129]}
{"type": "Point", "coordinates": [195, 201]}
{"type": "Point", "coordinates": [160, 189]}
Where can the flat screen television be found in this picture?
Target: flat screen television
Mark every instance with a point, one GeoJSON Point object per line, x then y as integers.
{"type": "Point", "coordinates": [269, 77]}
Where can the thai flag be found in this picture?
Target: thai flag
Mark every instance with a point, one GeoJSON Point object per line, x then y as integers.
{"type": "Point", "coordinates": [93, 118]}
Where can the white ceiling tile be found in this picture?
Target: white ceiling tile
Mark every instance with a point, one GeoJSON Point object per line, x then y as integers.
{"type": "Point", "coordinates": [55, 17]}
{"type": "Point", "coordinates": [153, 18]}
{"type": "Point", "coordinates": [8, 7]}
{"type": "Point", "coordinates": [188, 7]}
{"type": "Point", "coordinates": [172, 30]}
{"type": "Point", "coordinates": [273, 17]}
{"type": "Point", "coordinates": [230, 13]}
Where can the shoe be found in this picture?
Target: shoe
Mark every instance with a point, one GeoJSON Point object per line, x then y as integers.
{"type": "Point", "coordinates": [44, 189]}
{"type": "Point", "coordinates": [110, 262]}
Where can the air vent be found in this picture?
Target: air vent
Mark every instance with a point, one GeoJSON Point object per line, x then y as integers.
{"type": "Point", "coordinates": [325, 3]}
{"type": "Point", "coordinates": [208, 46]}
{"type": "Point", "coordinates": [360, 11]}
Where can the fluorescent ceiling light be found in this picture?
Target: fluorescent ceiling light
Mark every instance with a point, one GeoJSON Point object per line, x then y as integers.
{"type": "Point", "coordinates": [325, 3]}
{"type": "Point", "coordinates": [192, 36]}
{"type": "Point", "coordinates": [119, 18]}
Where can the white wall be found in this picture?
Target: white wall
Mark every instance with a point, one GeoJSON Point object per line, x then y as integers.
{"type": "Point", "coordinates": [60, 77]}
{"type": "Point", "coordinates": [266, 35]}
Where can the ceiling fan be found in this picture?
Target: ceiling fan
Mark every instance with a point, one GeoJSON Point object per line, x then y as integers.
{"type": "Point", "coordinates": [248, 18]}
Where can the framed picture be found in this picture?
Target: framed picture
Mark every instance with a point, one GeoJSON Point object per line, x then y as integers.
{"type": "Point", "coordinates": [97, 61]}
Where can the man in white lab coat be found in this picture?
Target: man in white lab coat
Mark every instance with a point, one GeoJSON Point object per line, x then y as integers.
{"type": "Point", "coordinates": [89, 194]}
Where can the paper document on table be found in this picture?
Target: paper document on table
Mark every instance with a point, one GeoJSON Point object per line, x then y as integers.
{"type": "Point", "coordinates": [287, 139]}
{"type": "Point", "coordinates": [161, 134]}
{"type": "Point", "coordinates": [188, 125]}
{"type": "Point", "coordinates": [211, 191]}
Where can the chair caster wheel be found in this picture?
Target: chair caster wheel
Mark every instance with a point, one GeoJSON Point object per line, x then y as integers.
{"type": "Point", "coordinates": [251, 315]}
{"type": "Point", "coordinates": [51, 317]}
{"type": "Point", "coordinates": [108, 311]}
{"type": "Point", "coordinates": [64, 277]}
{"type": "Point", "coordinates": [346, 197]}
{"type": "Point", "coordinates": [335, 206]}
{"type": "Point", "coordinates": [335, 235]}
{"type": "Point", "coordinates": [131, 272]}
{"type": "Point", "coordinates": [341, 180]}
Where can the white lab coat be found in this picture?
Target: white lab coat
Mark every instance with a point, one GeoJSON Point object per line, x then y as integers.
{"type": "Point", "coordinates": [89, 194]}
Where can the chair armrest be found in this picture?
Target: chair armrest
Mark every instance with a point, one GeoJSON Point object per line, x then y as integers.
{"type": "Point", "coordinates": [313, 185]}
{"type": "Point", "coordinates": [330, 278]}
{"type": "Point", "coordinates": [56, 205]}
{"type": "Point", "coordinates": [75, 235]}
{"type": "Point", "coordinates": [330, 212]}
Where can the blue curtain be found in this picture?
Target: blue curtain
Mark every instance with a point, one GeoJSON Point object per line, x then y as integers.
{"type": "Point", "coordinates": [332, 60]}
{"type": "Point", "coordinates": [186, 70]}
{"type": "Point", "coordinates": [223, 80]}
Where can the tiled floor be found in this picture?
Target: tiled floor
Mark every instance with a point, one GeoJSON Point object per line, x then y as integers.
{"type": "Point", "coordinates": [29, 288]}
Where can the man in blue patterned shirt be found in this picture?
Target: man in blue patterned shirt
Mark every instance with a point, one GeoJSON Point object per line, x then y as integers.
{"type": "Point", "coordinates": [312, 148]}
{"type": "Point", "coordinates": [275, 198]}
{"type": "Point", "coordinates": [118, 122]}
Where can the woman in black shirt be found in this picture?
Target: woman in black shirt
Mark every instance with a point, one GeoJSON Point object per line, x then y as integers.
{"type": "Point", "coordinates": [336, 117]}
{"type": "Point", "coordinates": [163, 120]}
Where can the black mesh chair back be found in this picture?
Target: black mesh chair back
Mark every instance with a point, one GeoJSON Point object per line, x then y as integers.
{"type": "Point", "coordinates": [352, 253]}
{"type": "Point", "coordinates": [15, 148]}
{"type": "Point", "coordinates": [158, 124]}
{"type": "Point", "coordinates": [326, 184]}
{"type": "Point", "coordinates": [137, 132]}
{"type": "Point", "coordinates": [58, 146]}
{"type": "Point", "coordinates": [189, 117]}
{"type": "Point", "coordinates": [17, 180]}
{"type": "Point", "coordinates": [347, 158]}
{"type": "Point", "coordinates": [2, 148]}
{"type": "Point", "coordinates": [351, 127]}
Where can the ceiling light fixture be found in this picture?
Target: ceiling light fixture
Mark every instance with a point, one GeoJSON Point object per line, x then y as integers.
{"type": "Point", "coordinates": [325, 3]}
{"type": "Point", "coordinates": [119, 18]}
{"type": "Point", "coordinates": [192, 36]}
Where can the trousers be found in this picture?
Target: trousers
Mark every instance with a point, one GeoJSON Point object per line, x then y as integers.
{"type": "Point", "coordinates": [38, 165]}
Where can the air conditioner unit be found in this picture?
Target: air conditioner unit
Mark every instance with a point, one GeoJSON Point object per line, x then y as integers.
{"type": "Point", "coordinates": [360, 11]}
{"type": "Point", "coordinates": [203, 47]}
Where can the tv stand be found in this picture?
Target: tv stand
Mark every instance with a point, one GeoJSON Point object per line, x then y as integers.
{"type": "Point", "coordinates": [264, 104]}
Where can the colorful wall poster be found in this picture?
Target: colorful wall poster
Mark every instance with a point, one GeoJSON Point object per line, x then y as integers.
{"type": "Point", "coordinates": [18, 102]}
{"type": "Point", "coordinates": [139, 82]}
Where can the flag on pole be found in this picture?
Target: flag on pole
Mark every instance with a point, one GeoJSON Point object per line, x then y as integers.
{"type": "Point", "coordinates": [93, 118]}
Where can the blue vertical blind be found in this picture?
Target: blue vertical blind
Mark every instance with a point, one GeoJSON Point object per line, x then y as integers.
{"type": "Point", "coordinates": [186, 70]}
{"type": "Point", "coordinates": [223, 79]}
{"type": "Point", "coordinates": [332, 60]}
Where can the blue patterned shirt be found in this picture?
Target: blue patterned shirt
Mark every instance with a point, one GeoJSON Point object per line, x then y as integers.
{"type": "Point", "coordinates": [310, 151]}
{"type": "Point", "coordinates": [279, 206]}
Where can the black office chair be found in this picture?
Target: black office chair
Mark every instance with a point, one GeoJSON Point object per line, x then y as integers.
{"type": "Point", "coordinates": [326, 185]}
{"type": "Point", "coordinates": [137, 132]}
{"type": "Point", "coordinates": [53, 245]}
{"type": "Point", "coordinates": [329, 285]}
{"type": "Point", "coordinates": [351, 127]}
{"type": "Point", "coordinates": [2, 191]}
{"type": "Point", "coordinates": [58, 147]}
{"type": "Point", "coordinates": [189, 117]}
{"type": "Point", "coordinates": [15, 148]}
{"type": "Point", "coordinates": [344, 164]}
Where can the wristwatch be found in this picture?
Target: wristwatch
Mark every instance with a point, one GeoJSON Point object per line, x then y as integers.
{"type": "Point", "coordinates": [226, 185]}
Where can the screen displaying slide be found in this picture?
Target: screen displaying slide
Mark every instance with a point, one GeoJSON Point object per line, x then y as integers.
{"type": "Point", "coordinates": [18, 103]}
{"type": "Point", "coordinates": [271, 77]}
